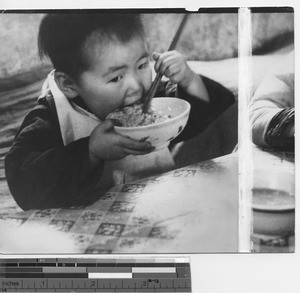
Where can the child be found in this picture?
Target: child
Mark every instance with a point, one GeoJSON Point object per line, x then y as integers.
{"type": "Point", "coordinates": [65, 148]}
{"type": "Point", "coordinates": [273, 109]}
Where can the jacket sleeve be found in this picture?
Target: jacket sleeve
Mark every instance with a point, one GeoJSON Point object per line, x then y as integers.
{"type": "Point", "coordinates": [42, 172]}
{"type": "Point", "coordinates": [276, 135]}
{"type": "Point", "coordinates": [273, 95]}
{"type": "Point", "coordinates": [202, 113]}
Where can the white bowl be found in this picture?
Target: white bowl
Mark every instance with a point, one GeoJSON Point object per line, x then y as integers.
{"type": "Point", "coordinates": [160, 134]}
{"type": "Point", "coordinates": [273, 202]}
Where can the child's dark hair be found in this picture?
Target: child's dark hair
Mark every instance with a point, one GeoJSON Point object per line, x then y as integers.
{"type": "Point", "coordinates": [62, 36]}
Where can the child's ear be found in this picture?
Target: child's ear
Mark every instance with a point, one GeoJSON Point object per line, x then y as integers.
{"type": "Point", "coordinates": [66, 85]}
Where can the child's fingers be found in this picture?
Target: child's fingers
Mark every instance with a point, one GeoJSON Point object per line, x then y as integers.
{"type": "Point", "coordinates": [129, 143]}
{"type": "Point", "coordinates": [159, 58]}
{"type": "Point", "coordinates": [172, 70]}
{"type": "Point", "coordinates": [107, 125]}
{"type": "Point", "coordinates": [170, 63]}
{"type": "Point", "coordinates": [155, 56]}
{"type": "Point", "coordinates": [116, 122]}
{"type": "Point", "coordinates": [138, 152]}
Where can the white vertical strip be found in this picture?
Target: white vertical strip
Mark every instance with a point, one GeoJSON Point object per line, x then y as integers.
{"type": "Point", "coordinates": [244, 130]}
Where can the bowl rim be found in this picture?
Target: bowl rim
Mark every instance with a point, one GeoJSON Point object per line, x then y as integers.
{"type": "Point", "coordinates": [154, 125]}
{"type": "Point", "coordinates": [266, 208]}
{"type": "Point", "coordinates": [275, 209]}
{"type": "Point", "coordinates": [263, 208]}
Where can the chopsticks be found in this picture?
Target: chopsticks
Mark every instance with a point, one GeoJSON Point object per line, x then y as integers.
{"type": "Point", "coordinates": [159, 75]}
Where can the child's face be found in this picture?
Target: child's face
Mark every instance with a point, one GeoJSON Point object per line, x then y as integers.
{"type": "Point", "coordinates": [119, 76]}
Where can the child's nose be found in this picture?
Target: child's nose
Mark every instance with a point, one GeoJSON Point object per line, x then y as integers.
{"type": "Point", "coordinates": [134, 90]}
{"type": "Point", "coordinates": [134, 84]}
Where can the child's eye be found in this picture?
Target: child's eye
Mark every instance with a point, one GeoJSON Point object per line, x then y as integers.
{"type": "Point", "coordinates": [116, 79]}
{"type": "Point", "coordinates": [143, 65]}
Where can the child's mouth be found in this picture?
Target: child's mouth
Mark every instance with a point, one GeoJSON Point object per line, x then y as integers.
{"type": "Point", "coordinates": [136, 102]}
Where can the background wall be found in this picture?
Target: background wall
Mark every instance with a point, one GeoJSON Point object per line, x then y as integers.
{"type": "Point", "coordinates": [206, 36]}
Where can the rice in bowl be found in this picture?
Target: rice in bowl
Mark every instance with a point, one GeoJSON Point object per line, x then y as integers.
{"type": "Point", "coordinates": [132, 116]}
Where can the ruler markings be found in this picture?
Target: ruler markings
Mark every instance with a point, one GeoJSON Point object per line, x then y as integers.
{"type": "Point", "coordinates": [105, 275]}
{"type": "Point", "coordinates": [166, 283]}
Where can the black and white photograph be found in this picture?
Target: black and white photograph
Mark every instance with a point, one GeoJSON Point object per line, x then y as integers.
{"type": "Point", "coordinates": [272, 114]}
{"type": "Point", "coordinates": [119, 131]}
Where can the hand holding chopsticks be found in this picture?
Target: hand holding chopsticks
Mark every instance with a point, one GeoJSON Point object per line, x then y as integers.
{"type": "Point", "coordinates": [159, 75]}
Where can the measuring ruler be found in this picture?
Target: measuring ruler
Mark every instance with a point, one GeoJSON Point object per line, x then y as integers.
{"type": "Point", "coordinates": [95, 275]}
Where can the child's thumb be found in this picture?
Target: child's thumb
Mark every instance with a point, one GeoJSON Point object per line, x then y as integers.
{"type": "Point", "coordinates": [108, 125]}
{"type": "Point", "coordinates": [155, 56]}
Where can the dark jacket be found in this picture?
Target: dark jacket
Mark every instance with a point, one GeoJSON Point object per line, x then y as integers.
{"type": "Point", "coordinates": [43, 173]}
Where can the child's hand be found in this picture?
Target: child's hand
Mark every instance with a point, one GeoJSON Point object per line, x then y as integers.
{"type": "Point", "coordinates": [173, 65]}
{"type": "Point", "coordinates": [105, 144]}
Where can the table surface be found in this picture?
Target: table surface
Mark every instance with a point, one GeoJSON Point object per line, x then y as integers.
{"type": "Point", "coordinates": [189, 210]}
